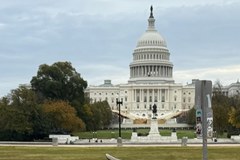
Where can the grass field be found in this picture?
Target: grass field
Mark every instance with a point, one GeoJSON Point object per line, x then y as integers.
{"type": "Point", "coordinates": [124, 153]}
{"type": "Point", "coordinates": [126, 133]}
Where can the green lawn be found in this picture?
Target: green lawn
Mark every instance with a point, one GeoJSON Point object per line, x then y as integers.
{"type": "Point", "coordinates": [126, 133]}
{"type": "Point", "coordinates": [124, 153]}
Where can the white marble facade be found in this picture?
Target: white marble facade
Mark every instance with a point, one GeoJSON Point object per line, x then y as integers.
{"type": "Point", "coordinates": [151, 81]}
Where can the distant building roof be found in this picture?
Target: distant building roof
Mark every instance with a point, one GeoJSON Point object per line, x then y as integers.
{"type": "Point", "coordinates": [107, 83]}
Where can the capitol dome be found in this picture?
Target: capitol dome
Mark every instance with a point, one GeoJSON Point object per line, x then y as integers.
{"type": "Point", "coordinates": [151, 37]}
{"type": "Point", "coordinates": [151, 57]}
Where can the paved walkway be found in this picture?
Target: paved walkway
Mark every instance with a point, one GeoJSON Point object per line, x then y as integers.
{"type": "Point", "coordinates": [126, 143]}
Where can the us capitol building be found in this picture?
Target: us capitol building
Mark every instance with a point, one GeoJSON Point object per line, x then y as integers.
{"type": "Point", "coordinates": [151, 82]}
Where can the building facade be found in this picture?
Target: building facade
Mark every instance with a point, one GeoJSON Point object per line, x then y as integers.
{"type": "Point", "coordinates": [232, 89]}
{"type": "Point", "coordinates": [151, 82]}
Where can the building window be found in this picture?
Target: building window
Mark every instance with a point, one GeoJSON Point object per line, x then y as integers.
{"type": "Point", "coordinates": [189, 99]}
{"type": "Point", "coordinates": [184, 100]}
{"type": "Point", "coordinates": [163, 99]}
{"type": "Point", "coordinates": [145, 106]}
{"type": "Point", "coordinates": [125, 107]}
{"type": "Point", "coordinates": [150, 98]}
{"type": "Point", "coordinates": [137, 106]}
{"type": "Point", "coordinates": [155, 99]}
{"type": "Point", "coordinates": [125, 99]}
{"type": "Point", "coordinates": [125, 91]}
{"type": "Point", "coordinates": [138, 99]}
{"type": "Point", "coordinates": [175, 98]}
{"type": "Point", "coordinates": [145, 98]}
{"type": "Point", "coordinates": [163, 95]}
{"type": "Point", "coordinates": [162, 106]}
{"type": "Point", "coordinates": [112, 100]}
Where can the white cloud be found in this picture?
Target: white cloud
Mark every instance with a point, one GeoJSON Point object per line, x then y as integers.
{"type": "Point", "coordinates": [226, 74]}
{"type": "Point", "coordinates": [99, 36]}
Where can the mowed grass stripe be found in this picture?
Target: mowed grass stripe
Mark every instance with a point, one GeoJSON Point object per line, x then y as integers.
{"type": "Point", "coordinates": [124, 153]}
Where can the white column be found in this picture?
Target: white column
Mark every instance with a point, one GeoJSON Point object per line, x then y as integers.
{"type": "Point", "coordinates": [145, 70]}
{"type": "Point", "coordinates": [166, 94]}
{"type": "Point", "coordinates": [167, 71]}
{"type": "Point", "coordinates": [160, 95]}
{"type": "Point", "coordinates": [134, 97]}
{"type": "Point", "coordinates": [161, 71]}
{"type": "Point", "coordinates": [154, 71]}
{"type": "Point", "coordinates": [130, 72]}
{"type": "Point", "coordinates": [140, 71]}
{"type": "Point", "coordinates": [135, 71]}
{"type": "Point", "coordinates": [148, 70]}
{"type": "Point", "coordinates": [170, 71]}
{"type": "Point", "coordinates": [147, 95]}
{"type": "Point", "coordinates": [153, 93]}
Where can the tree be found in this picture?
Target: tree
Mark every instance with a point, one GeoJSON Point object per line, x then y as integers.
{"type": "Point", "coordinates": [234, 113]}
{"type": "Point", "coordinates": [19, 115]}
{"type": "Point", "coordinates": [60, 81]}
{"type": "Point", "coordinates": [234, 117]}
{"type": "Point", "coordinates": [62, 117]}
{"type": "Point", "coordinates": [221, 107]}
{"type": "Point", "coordinates": [97, 115]}
{"type": "Point", "coordinates": [191, 116]}
{"type": "Point", "coordinates": [106, 113]}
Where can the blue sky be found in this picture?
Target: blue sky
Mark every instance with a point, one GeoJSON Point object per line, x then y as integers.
{"type": "Point", "coordinates": [98, 37]}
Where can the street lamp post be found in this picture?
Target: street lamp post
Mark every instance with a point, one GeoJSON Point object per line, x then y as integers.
{"type": "Point", "coordinates": [119, 140]}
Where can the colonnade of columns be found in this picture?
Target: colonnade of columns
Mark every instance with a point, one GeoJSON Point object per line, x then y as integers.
{"type": "Point", "coordinates": [150, 95]}
{"type": "Point", "coordinates": [151, 56]}
{"type": "Point", "coordinates": [152, 71]}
